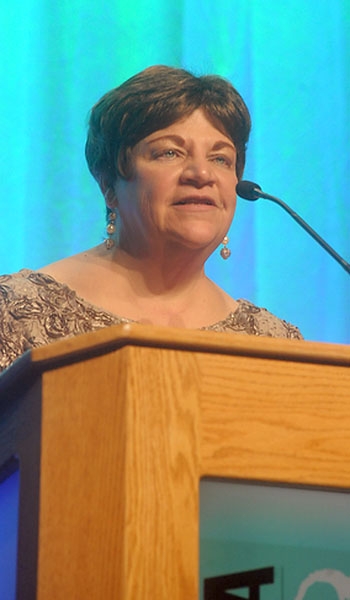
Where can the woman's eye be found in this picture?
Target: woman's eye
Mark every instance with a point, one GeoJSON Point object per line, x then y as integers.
{"type": "Point", "coordinates": [170, 153]}
{"type": "Point", "coordinates": [223, 160]}
{"type": "Point", "coordinates": [167, 153]}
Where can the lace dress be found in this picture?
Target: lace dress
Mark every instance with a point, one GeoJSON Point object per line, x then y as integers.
{"type": "Point", "coordinates": [35, 310]}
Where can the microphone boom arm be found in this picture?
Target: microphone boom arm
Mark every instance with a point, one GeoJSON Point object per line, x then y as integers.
{"type": "Point", "coordinates": [252, 191]}
{"type": "Point", "coordinates": [309, 230]}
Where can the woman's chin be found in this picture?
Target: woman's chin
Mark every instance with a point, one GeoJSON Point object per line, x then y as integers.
{"type": "Point", "coordinates": [205, 238]}
{"type": "Point", "coordinates": [196, 240]}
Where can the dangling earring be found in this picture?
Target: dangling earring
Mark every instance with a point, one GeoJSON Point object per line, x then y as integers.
{"type": "Point", "coordinates": [225, 252]}
{"type": "Point", "coordinates": [110, 229]}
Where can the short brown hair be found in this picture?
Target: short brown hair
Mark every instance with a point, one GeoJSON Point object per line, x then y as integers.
{"type": "Point", "coordinates": [154, 99]}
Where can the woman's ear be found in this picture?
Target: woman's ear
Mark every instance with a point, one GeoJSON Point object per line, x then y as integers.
{"type": "Point", "coordinates": [109, 194]}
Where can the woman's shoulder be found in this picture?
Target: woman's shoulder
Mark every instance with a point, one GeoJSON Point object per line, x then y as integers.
{"type": "Point", "coordinates": [18, 302]}
{"type": "Point", "coordinates": [17, 287]}
{"type": "Point", "coordinates": [250, 319]}
{"type": "Point", "coordinates": [35, 309]}
{"type": "Point", "coordinates": [33, 288]}
{"type": "Point", "coordinates": [19, 282]}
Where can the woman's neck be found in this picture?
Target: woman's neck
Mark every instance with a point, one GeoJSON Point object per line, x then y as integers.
{"type": "Point", "coordinates": [167, 291]}
{"type": "Point", "coordinates": [163, 275]}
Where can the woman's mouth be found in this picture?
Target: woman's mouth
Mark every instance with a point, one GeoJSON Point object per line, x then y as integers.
{"type": "Point", "coordinates": [195, 201]}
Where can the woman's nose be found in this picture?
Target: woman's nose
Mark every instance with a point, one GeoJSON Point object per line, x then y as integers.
{"type": "Point", "coordinates": [197, 171]}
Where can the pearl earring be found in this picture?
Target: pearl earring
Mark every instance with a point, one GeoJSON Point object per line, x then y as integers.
{"type": "Point", "coordinates": [225, 252]}
{"type": "Point", "coordinates": [110, 230]}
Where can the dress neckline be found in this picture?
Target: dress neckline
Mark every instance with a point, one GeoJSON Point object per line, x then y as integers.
{"type": "Point", "coordinates": [114, 316]}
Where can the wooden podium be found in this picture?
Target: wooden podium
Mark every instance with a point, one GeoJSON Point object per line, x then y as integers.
{"type": "Point", "coordinates": [113, 431]}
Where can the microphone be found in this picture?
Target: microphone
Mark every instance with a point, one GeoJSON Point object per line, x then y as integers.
{"type": "Point", "coordinates": [252, 191]}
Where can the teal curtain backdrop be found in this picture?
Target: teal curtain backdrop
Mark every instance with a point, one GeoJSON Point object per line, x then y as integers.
{"type": "Point", "coordinates": [291, 62]}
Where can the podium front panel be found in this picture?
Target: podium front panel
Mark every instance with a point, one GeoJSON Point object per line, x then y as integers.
{"type": "Point", "coordinates": [299, 536]}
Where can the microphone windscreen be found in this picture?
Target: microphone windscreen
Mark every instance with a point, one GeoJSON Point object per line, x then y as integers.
{"type": "Point", "coordinates": [248, 190]}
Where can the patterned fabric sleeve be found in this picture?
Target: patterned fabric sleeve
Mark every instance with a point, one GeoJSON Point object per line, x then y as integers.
{"type": "Point", "coordinates": [36, 310]}
{"type": "Point", "coordinates": [12, 340]}
{"type": "Point", "coordinates": [249, 319]}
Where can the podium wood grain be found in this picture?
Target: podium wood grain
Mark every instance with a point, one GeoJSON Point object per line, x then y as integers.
{"type": "Point", "coordinates": [123, 479]}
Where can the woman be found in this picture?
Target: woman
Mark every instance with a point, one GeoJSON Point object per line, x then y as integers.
{"type": "Point", "coordinates": [167, 150]}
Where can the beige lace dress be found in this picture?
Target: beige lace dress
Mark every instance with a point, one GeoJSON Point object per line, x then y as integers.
{"type": "Point", "coordinates": [35, 310]}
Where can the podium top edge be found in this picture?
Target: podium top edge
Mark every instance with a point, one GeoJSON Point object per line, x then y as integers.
{"type": "Point", "coordinates": [115, 337]}
{"type": "Point", "coordinates": [118, 336]}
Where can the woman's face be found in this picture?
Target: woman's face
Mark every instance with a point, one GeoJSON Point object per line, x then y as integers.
{"type": "Point", "coordinates": [182, 190]}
